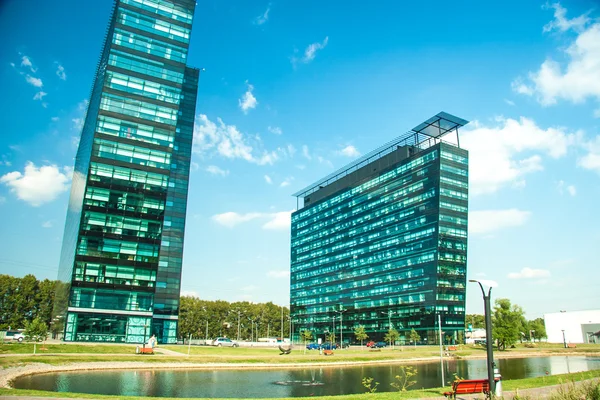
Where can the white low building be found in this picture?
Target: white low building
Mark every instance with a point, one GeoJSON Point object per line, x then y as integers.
{"type": "Point", "coordinates": [573, 326]}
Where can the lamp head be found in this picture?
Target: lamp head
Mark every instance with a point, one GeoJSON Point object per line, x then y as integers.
{"type": "Point", "coordinates": [485, 282]}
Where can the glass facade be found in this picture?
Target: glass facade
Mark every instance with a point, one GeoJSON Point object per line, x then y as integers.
{"type": "Point", "coordinates": [123, 244]}
{"type": "Point", "coordinates": [386, 247]}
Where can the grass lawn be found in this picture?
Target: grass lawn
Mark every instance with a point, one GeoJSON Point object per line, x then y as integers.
{"type": "Point", "coordinates": [41, 348]}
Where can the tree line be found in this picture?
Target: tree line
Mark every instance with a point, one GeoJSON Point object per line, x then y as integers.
{"type": "Point", "coordinates": [23, 300]}
{"type": "Point", "coordinates": [210, 319]}
{"type": "Point", "coordinates": [509, 324]}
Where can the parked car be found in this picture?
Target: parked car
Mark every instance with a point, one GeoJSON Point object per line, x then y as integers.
{"type": "Point", "coordinates": [379, 345]}
{"type": "Point", "coordinates": [14, 335]}
{"type": "Point", "coordinates": [370, 343]}
{"type": "Point", "coordinates": [329, 346]}
{"type": "Point", "coordinates": [313, 346]}
{"type": "Point", "coordinates": [224, 342]}
{"type": "Point", "coordinates": [343, 345]}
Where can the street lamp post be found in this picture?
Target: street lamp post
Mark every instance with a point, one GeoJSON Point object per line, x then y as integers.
{"type": "Point", "coordinates": [488, 329]}
{"type": "Point", "coordinates": [389, 314]}
{"type": "Point", "coordinates": [564, 338]}
{"type": "Point", "coordinates": [341, 311]}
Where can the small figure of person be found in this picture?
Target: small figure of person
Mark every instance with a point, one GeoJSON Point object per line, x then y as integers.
{"type": "Point", "coordinates": [152, 341]}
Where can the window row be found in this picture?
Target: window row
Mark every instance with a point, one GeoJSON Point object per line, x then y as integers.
{"type": "Point", "coordinates": [126, 201]}
{"type": "Point", "coordinates": [111, 300]}
{"type": "Point", "coordinates": [409, 167]}
{"type": "Point", "coordinates": [120, 225]}
{"type": "Point", "coordinates": [144, 66]}
{"type": "Point", "coordinates": [369, 264]}
{"type": "Point", "coordinates": [455, 157]}
{"type": "Point", "coordinates": [130, 130]}
{"type": "Point", "coordinates": [142, 87]}
{"type": "Point", "coordinates": [114, 274]}
{"type": "Point", "coordinates": [117, 249]}
{"type": "Point", "coordinates": [163, 8]}
{"type": "Point", "coordinates": [131, 154]}
{"type": "Point", "coordinates": [154, 25]}
{"type": "Point", "coordinates": [112, 174]}
{"type": "Point", "coordinates": [138, 109]}
{"type": "Point", "coordinates": [150, 46]}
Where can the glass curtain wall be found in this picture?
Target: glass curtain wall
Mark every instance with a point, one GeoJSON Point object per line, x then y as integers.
{"type": "Point", "coordinates": [387, 252]}
{"type": "Point", "coordinates": [122, 253]}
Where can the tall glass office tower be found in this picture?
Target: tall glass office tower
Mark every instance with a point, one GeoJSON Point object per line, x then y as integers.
{"type": "Point", "coordinates": [382, 242]}
{"type": "Point", "coordinates": [122, 250]}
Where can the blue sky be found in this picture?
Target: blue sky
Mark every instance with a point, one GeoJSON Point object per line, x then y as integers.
{"type": "Point", "coordinates": [293, 91]}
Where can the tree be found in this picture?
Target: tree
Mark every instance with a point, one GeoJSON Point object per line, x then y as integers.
{"type": "Point", "coordinates": [306, 335]}
{"type": "Point", "coordinates": [414, 336]}
{"type": "Point", "coordinates": [360, 334]}
{"type": "Point", "coordinates": [391, 336]}
{"type": "Point", "coordinates": [477, 321]}
{"type": "Point", "coordinates": [507, 323]}
{"type": "Point", "coordinates": [539, 327]}
{"type": "Point", "coordinates": [330, 337]}
{"type": "Point", "coordinates": [36, 330]}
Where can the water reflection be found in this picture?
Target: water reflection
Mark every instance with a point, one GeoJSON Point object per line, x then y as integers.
{"type": "Point", "coordinates": [261, 383]}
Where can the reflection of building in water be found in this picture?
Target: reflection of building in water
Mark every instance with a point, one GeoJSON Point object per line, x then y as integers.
{"type": "Point", "coordinates": [573, 326]}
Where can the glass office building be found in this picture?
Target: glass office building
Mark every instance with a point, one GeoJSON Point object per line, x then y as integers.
{"type": "Point", "coordinates": [122, 251]}
{"type": "Point", "coordinates": [382, 242]}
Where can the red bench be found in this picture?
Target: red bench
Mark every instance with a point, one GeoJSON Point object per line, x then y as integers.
{"type": "Point", "coordinates": [328, 352]}
{"type": "Point", "coordinates": [468, 386]}
{"type": "Point", "coordinates": [144, 350]}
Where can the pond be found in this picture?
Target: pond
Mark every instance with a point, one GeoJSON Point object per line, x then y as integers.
{"type": "Point", "coordinates": [296, 382]}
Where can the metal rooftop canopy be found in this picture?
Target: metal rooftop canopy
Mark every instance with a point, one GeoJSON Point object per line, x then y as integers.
{"type": "Point", "coordinates": [420, 137]}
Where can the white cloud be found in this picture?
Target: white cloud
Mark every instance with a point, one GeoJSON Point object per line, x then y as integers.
{"type": "Point", "coordinates": [77, 123]}
{"type": "Point", "coordinates": [562, 187]}
{"type": "Point", "coordinates": [310, 52]}
{"type": "Point", "coordinates": [26, 62]}
{"type": "Point", "coordinates": [349, 151]}
{"type": "Point", "coordinates": [37, 186]}
{"type": "Point", "coordinates": [597, 113]}
{"type": "Point", "coordinates": [264, 17]}
{"type": "Point", "coordinates": [306, 153]}
{"type": "Point", "coordinates": [591, 160]}
{"type": "Point", "coordinates": [286, 182]}
{"type": "Point", "coordinates": [268, 179]}
{"type": "Point", "coordinates": [37, 82]}
{"type": "Point", "coordinates": [561, 23]}
{"type": "Point", "coordinates": [284, 273]}
{"type": "Point", "coordinates": [509, 102]}
{"type": "Point", "coordinates": [231, 219]}
{"type": "Point", "coordinates": [502, 155]}
{"type": "Point", "coordinates": [529, 273]}
{"type": "Point", "coordinates": [47, 224]}
{"type": "Point", "coordinates": [488, 221]}
{"type": "Point", "coordinates": [248, 101]}
{"type": "Point", "coordinates": [194, 166]}
{"type": "Point", "coordinates": [60, 72]}
{"type": "Point", "coordinates": [291, 150]}
{"type": "Point", "coordinates": [249, 288]}
{"type": "Point", "coordinates": [189, 293]}
{"type": "Point", "coordinates": [213, 169]}
{"type": "Point", "coordinates": [228, 141]}
{"type": "Point", "coordinates": [578, 79]}
{"type": "Point", "coordinates": [275, 129]}
{"type": "Point", "coordinates": [279, 221]}
{"type": "Point", "coordinates": [54, 119]}
{"type": "Point", "coordinates": [39, 95]}
{"type": "Point", "coordinates": [275, 221]}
